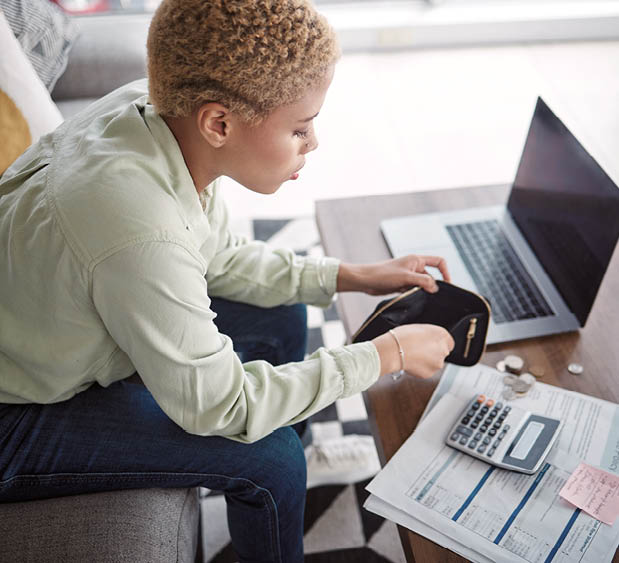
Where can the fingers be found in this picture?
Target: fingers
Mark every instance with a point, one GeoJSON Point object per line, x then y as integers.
{"type": "Point", "coordinates": [451, 343]}
{"type": "Point", "coordinates": [438, 262]}
{"type": "Point", "coordinates": [425, 281]}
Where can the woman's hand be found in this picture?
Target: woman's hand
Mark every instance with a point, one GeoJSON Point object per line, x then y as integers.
{"type": "Point", "coordinates": [425, 348]}
{"type": "Point", "coordinates": [390, 276]}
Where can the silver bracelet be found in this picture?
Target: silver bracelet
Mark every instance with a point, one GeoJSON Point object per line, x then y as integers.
{"type": "Point", "coordinates": [400, 373]}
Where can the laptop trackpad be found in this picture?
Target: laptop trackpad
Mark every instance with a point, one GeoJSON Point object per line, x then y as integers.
{"type": "Point", "coordinates": [426, 235]}
{"type": "Point", "coordinates": [406, 235]}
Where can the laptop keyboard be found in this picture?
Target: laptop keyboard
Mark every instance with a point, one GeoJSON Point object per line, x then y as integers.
{"type": "Point", "coordinates": [498, 272]}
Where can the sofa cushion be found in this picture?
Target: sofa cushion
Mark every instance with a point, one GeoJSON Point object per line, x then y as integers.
{"type": "Point", "coordinates": [45, 34]}
{"type": "Point", "coordinates": [154, 525]}
{"type": "Point", "coordinates": [109, 52]}
{"type": "Point", "coordinates": [26, 109]}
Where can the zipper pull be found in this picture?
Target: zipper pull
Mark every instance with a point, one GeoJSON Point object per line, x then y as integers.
{"type": "Point", "coordinates": [469, 336]}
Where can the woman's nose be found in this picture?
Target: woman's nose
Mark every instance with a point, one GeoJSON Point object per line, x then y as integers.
{"type": "Point", "coordinates": [312, 143]}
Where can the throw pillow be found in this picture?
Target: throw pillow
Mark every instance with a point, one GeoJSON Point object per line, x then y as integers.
{"type": "Point", "coordinates": [26, 109]}
{"type": "Point", "coordinates": [45, 33]}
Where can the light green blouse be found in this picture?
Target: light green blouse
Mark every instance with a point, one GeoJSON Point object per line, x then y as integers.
{"type": "Point", "coordinates": [107, 262]}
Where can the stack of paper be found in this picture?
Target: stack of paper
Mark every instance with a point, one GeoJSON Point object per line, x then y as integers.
{"type": "Point", "coordinates": [489, 514]}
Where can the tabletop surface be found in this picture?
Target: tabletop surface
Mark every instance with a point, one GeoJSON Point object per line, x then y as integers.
{"type": "Point", "coordinates": [350, 230]}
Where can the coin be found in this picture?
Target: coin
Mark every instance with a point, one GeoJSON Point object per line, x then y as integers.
{"type": "Point", "coordinates": [521, 386]}
{"type": "Point", "coordinates": [527, 378]}
{"type": "Point", "coordinates": [537, 371]}
{"type": "Point", "coordinates": [509, 379]}
{"type": "Point", "coordinates": [574, 368]}
{"type": "Point", "coordinates": [500, 365]}
{"type": "Point", "coordinates": [508, 394]}
{"type": "Point", "coordinates": [514, 364]}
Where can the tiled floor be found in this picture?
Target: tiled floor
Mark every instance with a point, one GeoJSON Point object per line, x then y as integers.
{"type": "Point", "coordinates": [429, 119]}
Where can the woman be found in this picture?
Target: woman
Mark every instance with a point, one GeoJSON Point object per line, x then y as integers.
{"type": "Point", "coordinates": [116, 259]}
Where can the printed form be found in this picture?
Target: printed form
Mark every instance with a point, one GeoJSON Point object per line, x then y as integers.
{"type": "Point", "coordinates": [490, 514]}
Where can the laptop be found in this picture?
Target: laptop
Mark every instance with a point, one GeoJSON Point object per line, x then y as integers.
{"type": "Point", "coordinates": [541, 258]}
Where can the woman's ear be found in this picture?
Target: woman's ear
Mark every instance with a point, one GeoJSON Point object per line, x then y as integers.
{"type": "Point", "coordinates": [213, 121]}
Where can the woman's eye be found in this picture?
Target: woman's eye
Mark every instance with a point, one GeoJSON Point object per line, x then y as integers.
{"type": "Point", "coordinates": [301, 134]}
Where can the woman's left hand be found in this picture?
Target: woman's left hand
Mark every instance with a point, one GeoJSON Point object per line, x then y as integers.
{"type": "Point", "coordinates": [391, 276]}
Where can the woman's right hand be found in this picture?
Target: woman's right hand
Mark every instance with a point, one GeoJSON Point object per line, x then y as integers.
{"type": "Point", "coordinates": [425, 348]}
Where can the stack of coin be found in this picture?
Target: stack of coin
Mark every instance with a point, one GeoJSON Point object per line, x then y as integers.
{"type": "Point", "coordinates": [517, 385]}
{"type": "Point", "coordinates": [513, 364]}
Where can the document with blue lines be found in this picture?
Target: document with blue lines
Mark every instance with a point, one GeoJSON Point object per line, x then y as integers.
{"type": "Point", "coordinates": [490, 514]}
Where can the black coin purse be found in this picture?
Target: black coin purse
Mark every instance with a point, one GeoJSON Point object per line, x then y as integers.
{"type": "Point", "coordinates": [464, 314]}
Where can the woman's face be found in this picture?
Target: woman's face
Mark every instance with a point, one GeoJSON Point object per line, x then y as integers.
{"type": "Point", "coordinates": [263, 157]}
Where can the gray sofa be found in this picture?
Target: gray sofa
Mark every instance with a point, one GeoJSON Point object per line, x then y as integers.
{"type": "Point", "coordinates": [150, 525]}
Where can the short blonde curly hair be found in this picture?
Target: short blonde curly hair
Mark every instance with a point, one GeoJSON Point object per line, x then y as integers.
{"type": "Point", "coordinates": [252, 56]}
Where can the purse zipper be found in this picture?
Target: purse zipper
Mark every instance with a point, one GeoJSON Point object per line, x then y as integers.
{"type": "Point", "coordinates": [469, 336]}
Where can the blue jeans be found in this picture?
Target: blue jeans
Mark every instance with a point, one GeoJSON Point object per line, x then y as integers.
{"type": "Point", "coordinates": [118, 438]}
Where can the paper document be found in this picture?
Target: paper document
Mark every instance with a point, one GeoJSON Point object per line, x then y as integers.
{"type": "Point", "coordinates": [490, 514]}
{"type": "Point", "coordinates": [595, 491]}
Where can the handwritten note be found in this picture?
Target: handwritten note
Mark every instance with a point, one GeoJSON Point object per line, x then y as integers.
{"type": "Point", "coordinates": [595, 491]}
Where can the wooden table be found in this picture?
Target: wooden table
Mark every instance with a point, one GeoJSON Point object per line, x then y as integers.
{"type": "Point", "coordinates": [350, 230]}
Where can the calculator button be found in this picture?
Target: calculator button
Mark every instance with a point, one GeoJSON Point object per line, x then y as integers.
{"type": "Point", "coordinates": [492, 413]}
{"type": "Point", "coordinates": [464, 430]}
{"type": "Point", "coordinates": [489, 402]}
{"type": "Point", "coordinates": [478, 436]}
{"type": "Point", "coordinates": [487, 440]}
{"type": "Point", "coordinates": [506, 427]}
{"type": "Point", "coordinates": [454, 437]}
{"type": "Point", "coordinates": [481, 449]}
{"type": "Point", "coordinates": [475, 406]}
{"type": "Point", "coordinates": [484, 409]}
{"type": "Point", "coordinates": [491, 432]}
{"type": "Point", "coordinates": [502, 417]}
{"type": "Point", "coordinates": [483, 428]}
{"type": "Point", "coordinates": [496, 425]}
{"type": "Point", "coordinates": [498, 406]}
{"type": "Point", "coordinates": [496, 444]}
{"type": "Point", "coordinates": [473, 444]}
{"type": "Point", "coordinates": [474, 424]}
{"type": "Point", "coordinates": [480, 399]}
{"type": "Point", "coordinates": [491, 451]}
{"type": "Point", "coordinates": [465, 420]}
{"type": "Point", "coordinates": [507, 409]}
{"type": "Point", "coordinates": [488, 421]}
{"type": "Point", "coordinates": [470, 412]}
{"type": "Point", "coordinates": [463, 440]}
{"type": "Point", "coordinates": [502, 433]}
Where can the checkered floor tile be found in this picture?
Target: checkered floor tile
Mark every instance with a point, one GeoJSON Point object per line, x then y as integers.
{"type": "Point", "coordinates": [337, 528]}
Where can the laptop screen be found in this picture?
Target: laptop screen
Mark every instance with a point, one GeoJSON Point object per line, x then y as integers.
{"type": "Point", "coordinates": [567, 208]}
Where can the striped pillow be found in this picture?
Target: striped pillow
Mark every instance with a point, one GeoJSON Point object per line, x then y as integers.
{"type": "Point", "coordinates": [45, 33]}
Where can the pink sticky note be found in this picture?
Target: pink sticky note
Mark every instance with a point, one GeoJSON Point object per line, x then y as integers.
{"type": "Point", "coordinates": [595, 491]}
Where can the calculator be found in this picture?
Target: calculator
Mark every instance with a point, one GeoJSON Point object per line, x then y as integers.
{"type": "Point", "coordinates": [503, 435]}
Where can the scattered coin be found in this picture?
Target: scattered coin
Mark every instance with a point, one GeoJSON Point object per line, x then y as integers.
{"type": "Point", "coordinates": [537, 371]}
{"type": "Point", "coordinates": [514, 364]}
{"type": "Point", "coordinates": [521, 386]}
{"type": "Point", "coordinates": [500, 365]}
{"type": "Point", "coordinates": [574, 368]}
{"type": "Point", "coordinates": [508, 394]}
{"type": "Point", "coordinates": [527, 378]}
{"type": "Point", "coordinates": [509, 379]}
